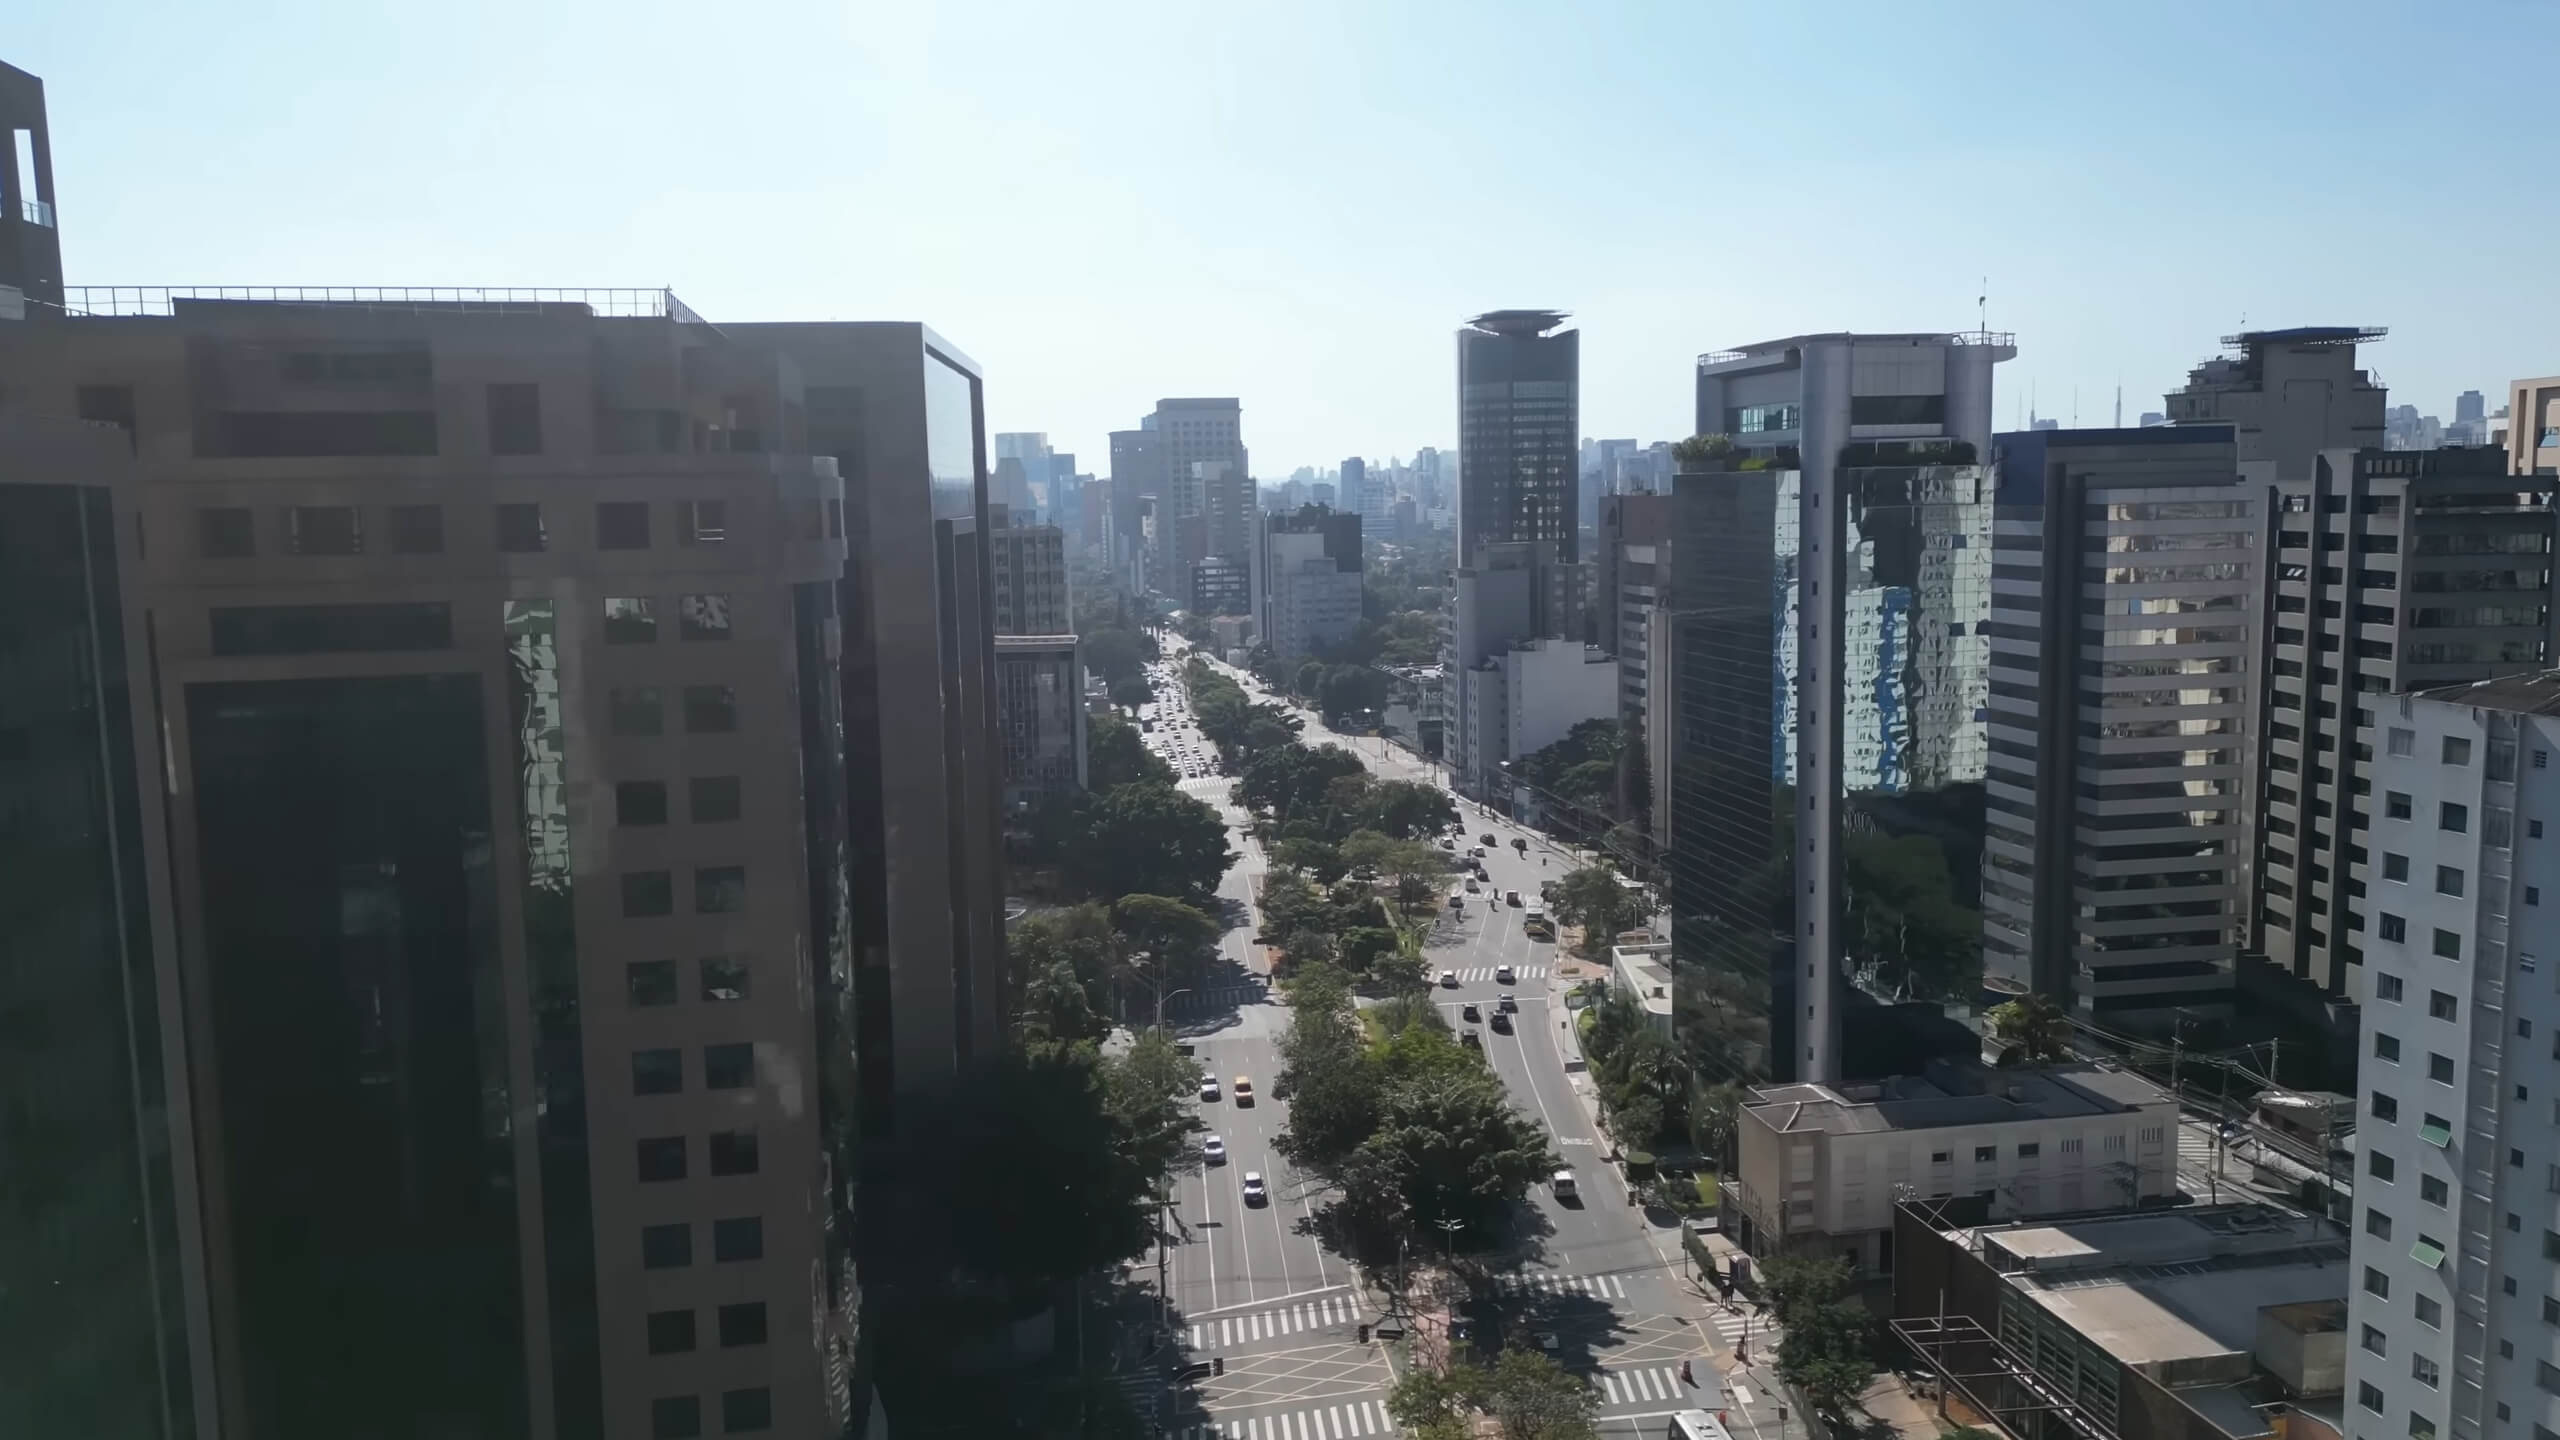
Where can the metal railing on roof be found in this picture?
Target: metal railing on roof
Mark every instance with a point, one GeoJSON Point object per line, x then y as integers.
{"type": "Point", "coordinates": [131, 300]}
{"type": "Point", "coordinates": [1960, 337]}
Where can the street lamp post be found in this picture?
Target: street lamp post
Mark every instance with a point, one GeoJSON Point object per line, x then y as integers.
{"type": "Point", "coordinates": [1168, 995]}
{"type": "Point", "coordinates": [1164, 1259]}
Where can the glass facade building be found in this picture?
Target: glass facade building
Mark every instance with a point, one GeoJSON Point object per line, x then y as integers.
{"type": "Point", "coordinates": [1519, 433]}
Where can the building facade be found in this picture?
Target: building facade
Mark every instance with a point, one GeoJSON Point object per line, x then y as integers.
{"type": "Point", "coordinates": [2533, 426]}
{"type": "Point", "coordinates": [1041, 714]}
{"type": "Point", "coordinates": [30, 245]}
{"type": "Point", "coordinates": [1031, 590]}
{"type": "Point", "coordinates": [1312, 575]}
{"type": "Point", "coordinates": [2287, 394]}
{"type": "Point", "coordinates": [1519, 419]}
{"type": "Point", "coordinates": [2454, 1298]}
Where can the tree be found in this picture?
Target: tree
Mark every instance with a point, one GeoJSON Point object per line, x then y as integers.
{"type": "Point", "coordinates": [1147, 839]}
{"type": "Point", "coordinates": [1148, 1092]}
{"type": "Point", "coordinates": [1348, 689]}
{"type": "Point", "coordinates": [1118, 654]}
{"type": "Point", "coordinates": [1131, 691]}
{"type": "Point", "coordinates": [1055, 1007]}
{"type": "Point", "coordinates": [1699, 449]}
{"type": "Point", "coordinates": [1903, 917]}
{"type": "Point", "coordinates": [2032, 1030]}
{"type": "Point", "coordinates": [1168, 942]}
{"type": "Point", "coordinates": [1405, 810]}
{"type": "Point", "coordinates": [1592, 898]}
{"type": "Point", "coordinates": [1320, 859]}
{"type": "Point", "coordinates": [1436, 1403]}
{"type": "Point", "coordinates": [1362, 945]}
{"type": "Point", "coordinates": [1280, 782]}
{"type": "Point", "coordinates": [1309, 679]}
{"type": "Point", "coordinates": [1059, 951]}
{"type": "Point", "coordinates": [1534, 1398]}
{"type": "Point", "coordinates": [1715, 1117]}
{"type": "Point", "coordinates": [1116, 754]}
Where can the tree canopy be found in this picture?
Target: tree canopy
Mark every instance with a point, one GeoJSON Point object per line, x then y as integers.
{"type": "Point", "coordinates": [1145, 838]}
{"type": "Point", "coordinates": [1593, 898]}
{"type": "Point", "coordinates": [1116, 754]}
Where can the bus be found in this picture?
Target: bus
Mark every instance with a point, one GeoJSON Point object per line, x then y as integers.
{"type": "Point", "coordinates": [1695, 1425]}
{"type": "Point", "coordinates": [1537, 925]}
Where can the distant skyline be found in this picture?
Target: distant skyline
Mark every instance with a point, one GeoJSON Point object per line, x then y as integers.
{"type": "Point", "coordinates": [1105, 204]}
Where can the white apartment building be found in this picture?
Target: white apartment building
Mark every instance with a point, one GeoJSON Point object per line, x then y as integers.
{"type": "Point", "coordinates": [2455, 1309]}
{"type": "Point", "coordinates": [1819, 1167]}
{"type": "Point", "coordinates": [1527, 697]}
{"type": "Point", "coordinates": [1311, 580]}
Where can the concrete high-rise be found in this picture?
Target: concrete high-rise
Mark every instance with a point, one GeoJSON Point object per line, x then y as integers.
{"type": "Point", "coordinates": [1231, 506]}
{"type": "Point", "coordinates": [1519, 416]}
{"type": "Point", "coordinates": [1201, 445]}
{"type": "Point", "coordinates": [1312, 575]}
{"type": "Point", "coordinates": [1039, 661]}
{"type": "Point", "coordinates": [1139, 475]}
{"type": "Point", "coordinates": [2287, 394]}
{"type": "Point", "coordinates": [30, 245]}
{"type": "Point", "coordinates": [1832, 676]}
{"type": "Point", "coordinates": [481, 651]}
{"type": "Point", "coordinates": [2459, 1140]}
{"type": "Point", "coordinates": [1355, 489]}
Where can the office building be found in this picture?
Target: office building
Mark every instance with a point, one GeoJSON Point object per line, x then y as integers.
{"type": "Point", "coordinates": [1138, 476]}
{"type": "Point", "coordinates": [2219, 1322]}
{"type": "Point", "coordinates": [2533, 426]}
{"type": "Point", "coordinates": [1040, 716]}
{"type": "Point", "coordinates": [2390, 571]}
{"type": "Point", "coordinates": [1514, 594]}
{"type": "Point", "coordinates": [30, 246]}
{"type": "Point", "coordinates": [2287, 394]}
{"type": "Point", "coordinates": [2460, 1139]}
{"type": "Point", "coordinates": [1030, 575]}
{"type": "Point", "coordinates": [1232, 523]}
{"type": "Point", "coordinates": [1832, 680]}
{"type": "Point", "coordinates": [1820, 1167]}
{"type": "Point", "coordinates": [1430, 485]}
{"type": "Point", "coordinates": [2403, 428]}
{"type": "Point", "coordinates": [1030, 449]}
{"type": "Point", "coordinates": [1525, 697]}
{"type": "Point", "coordinates": [1322, 493]}
{"type": "Point", "coordinates": [1221, 585]}
{"type": "Point", "coordinates": [1200, 443]}
{"type": "Point", "coordinates": [1357, 491]}
{"type": "Point", "coordinates": [2126, 592]}
{"type": "Point", "coordinates": [1312, 574]}
{"type": "Point", "coordinates": [1631, 619]}
{"type": "Point", "coordinates": [1519, 413]}
{"type": "Point", "coordinates": [487, 643]}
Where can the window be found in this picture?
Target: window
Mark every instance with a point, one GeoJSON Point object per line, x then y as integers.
{"type": "Point", "coordinates": [728, 1067]}
{"type": "Point", "coordinates": [417, 529]}
{"type": "Point", "coordinates": [742, 1324]}
{"type": "Point", "coordinates": [647, 893]}
{"type": "Point", "coordinates": [332, 629]}
{"type": "Point", "coordinates": [515, 419]}
{"type": "Point", "coordinates": [2392, 927]}
{"type": "Point", "coordinates": [2533, 829]}
{"type": "Point", "coordinates": [670, 1332]}
{"type": "Point", "coordinates": [2029, 1150]}
{"type": "Point", "coordinates": [2395, 805]}
{"type": "Point", "coordinates": [657, 1072]}
{"type": "Point", "coordinates": [1897, 410]}
{"type": "Point", "coordinates": [1985, 1154]}
{"type": "Point", "coordinates": [741, 1238]}
{"type": "Point", "coordinates": [636, 712]}
{"type": "Point", "coordinates": [2551, 1245]}
{"type": "Point", "coordinates": [2448, 880]}
{"type": "Point", "coordinates": [2376, 1283]}
{"type": "Point", "coordinates": [630, 620]}
{"type": "Point", "coordinates": [2533, 894]}
{"type": "Point", "coordinates": [2448, 945]}
{"type": "Point", "coordinates": [2421, 1369]}
{"type": "Point", "coordinates": [2377, 1224]}
{"type": "Point", "coordinates": [2457, 750]}
{"type": "Point", "coordinates": [323, 530]}
{"type": "Point", "coordinates": [710, 709]}
{"type": "Point", "coordinates": [2442, 1006]}
{"type": "Point", "coordinates": [652, 982]}
{"type": "Point", "coordinates": [712, 799]}
{"type": "Point", "coordinates": [520, 530]}
{"type": "Point", "coordinates": [2433, 1189]}
{"type": "Point", "coordinates": [2385, 1108]}
{"type": "Point", "coordinates": [2440, 1068]}
{"type": "Point", "coordinates": [2550, 1311]}
{"type": "Point", "coordinates": [2420, 1427]}
{"type": "Point", "coordinates": [702, 522]}
{"type": "Point", "coordinates": [733, 1152]}
{"type": "Point", "coordinates": [107, 405]}
{"type": "Point", "coordinates": [226, 532]}
{"type": "Point", "coordinates": [662, 1158]}
{"type": "Point", "coordinates": [2386, 1047]}
{"type": "Point", "coordinates": [2453, 816]}
{"type": "Point", "coordinates": [640, 802]}
{"type": "Point", "coordinates": [2402, 741]}
{"type": "Point", "coordinates": [622, 525]}
{"type": "Point", "coordinates": [2430, 1311]}
{"type": "Point", "coordinates": [2498, 827]}
{"type": "Point", "coordinates": [745, 1411]}
{"type": "Point", "coordinates": [2388, 987]}
{"type": "Point", "coordinates": [675, 1417]}
{"type": "Point", "coordinates": [724, 977]}
{"type": "Point", "coordinates": [702, 617]}
{"type": "Point", "coordinates": [2375, 1341]}
{"type": "Point", "coordinates": [666, 1247]}
{"type": "Point", "coordinates": [1942, 1157]}
{"type": "Point", "coordinates": [2369, 1396]}
{"type": "Point", "coordinates": [719, 890]}
{"type": "Point", "coordinates": [2395, 867]}
{"type": "Point", "coordinates": [2380, 1166]}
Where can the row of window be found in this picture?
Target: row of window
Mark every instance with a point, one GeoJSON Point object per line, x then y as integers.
{"type": "Point", "coordinates": [673, 1332]}
{"type": "Point", "coordinates": [633, 619]}
{"type": "Point", "coordinates": [724, 1067]}
{"type": "Point", "coordinates": [653, 982]}
{"type": "Point", "coordinates": [742, 1412]}
{"type": "Point", "coordinates": [641, 710]}
{"type": "Point", "coordinates": [230, 532]}
{"type": "Point", "coordinates": [709, 800]}
{"type": "Point", "coordinates": [665, 1157]}
{"type": "Point", "coordinates": [717, 890]}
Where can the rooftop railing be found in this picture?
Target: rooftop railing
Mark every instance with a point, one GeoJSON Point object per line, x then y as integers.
{"type": "Point", "coordinates": [130, 300]}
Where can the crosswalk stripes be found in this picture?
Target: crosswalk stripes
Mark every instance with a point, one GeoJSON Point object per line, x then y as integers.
{"type": "Point", "coordinates": [1219, 998]}
{"type": "Point", "coordinates": [1549, 1282]}
{"type": "Point", "coordinates": [1653, 1383]}
{"type": "Point", "coordinates": [1345, 1421]}
{"type": "Point", "coordinates": [1306, 1315]}
{"type": "Point", "coordinates": [1732, 1327]}
{"type": "Point", "coordinates": [1484, 974]}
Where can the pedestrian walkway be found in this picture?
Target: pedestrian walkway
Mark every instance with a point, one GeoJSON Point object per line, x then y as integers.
{"type": "Point", "coordinates": [1484, 974]}
{"type": "Point", "coordinates": [1339, 1311]}
{"type": "Point", "coordinates": [1223, 997]}
{"type": "Point", "coordinates": [1316, 1422]}
{"type": "Point", "coordinates": [1144, 1390]}
{"type": "Point", "coordinates": [1655, 1383]}
{"type": "Point", "coordinates": [1734, 1328]}
{"type": "Point", "coordinates": [1549, 1282]}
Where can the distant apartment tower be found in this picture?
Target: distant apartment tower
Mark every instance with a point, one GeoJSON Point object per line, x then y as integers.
{"type": "Point", "coordinates": [1232, 522]}
{"type": "Point", "coordinates": [1030, 575]}
{"type": "Point", "coordinates": [1193, 438]}
{"type": "Point", "coordinates": [489, 645]}
{"type": "Point", "coordinates": [1832, 678]}
{"type": "Point", "coordinates": [1312, 574]}
{"type": "Point", "coordinates": [2126, 589]}
{"type": "Point", "coordinates": [2287, 394]}
{"type": "Point", "coordinates": [1040, 716]}
{"type": "Point", "coordinates": [1356, 486]}
{"type": "Point", "coordinates": [1138, 475]}
{"type": "Point", "coordinates": [2533, 426]}
{"type": "Point", "coordinates": [1631, 614]}
{"type": "Point", "coordinates": [2460, 1137]}
{"type": "Point", "coordinates": [30, 245]}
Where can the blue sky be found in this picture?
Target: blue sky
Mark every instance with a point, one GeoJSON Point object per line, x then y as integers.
{"type": "Point", "coordinates": [1297, 203]}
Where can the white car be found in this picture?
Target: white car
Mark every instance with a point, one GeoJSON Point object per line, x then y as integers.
{"type": "Point", "coordinates": [1213, 1151]}
{"type": "Point", "coordinates": [1449, 979]}
{"type": "Point", "coordinates": [1254, 1192]}
{"type": "Point", "coordinates": [1209, 1088]}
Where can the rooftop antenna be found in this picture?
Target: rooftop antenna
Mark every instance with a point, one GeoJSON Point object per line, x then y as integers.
{"type": "Point", "coordinates": [1982, 307]}
{"type": "Point", "coordinates": [2119, 404]}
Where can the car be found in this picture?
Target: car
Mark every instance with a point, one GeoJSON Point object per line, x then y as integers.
{"type": "Point", "coordinates": [1448, 844]}
{"type": "Point", "coordinates": [1208, 1087]}
{"type": "Point", "coordinates": [1564, 1187]}
{"type": "Point", "coordinates": [1471, 1012]}
{"type": "Point", "coordinates": [1213, 1150]}
{"type": "Point", "coordinates": [1502, 975]}
{"type": "Point", "coordinates": [1476, 852]}
{"type": "Point", "coordinates": [1506, 1004]}
{"type": "Point", "coordinates": [1457, 900]}
{"type": "Point", "coordinates": [1511, 898]}
{"type": "Point", "coordinates": [1501, 1022]}
{"type": "Point", "coordinates": [1487, 841]}
{"type": "Point", "coordinates": [1244, 1089]}
{"type": "Point", "coordinates": [1471, 1039]}
{"type": "Point", "coordinates": [1255, 1192]}
{"type": "Point", "coordinates": [1449, 979]}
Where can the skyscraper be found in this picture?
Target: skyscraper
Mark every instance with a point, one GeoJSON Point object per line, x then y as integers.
{"type": "Point", "coordinates": [1311, 566]}
{"type": "Point", "coordinates": [1201, 442]}
{"type": "Point", "coordinates": [1138, 475]}
{"type": "Point", "coordinates": [1519, 419]}
{"type": "Point", "coordinates": [1355, 488]}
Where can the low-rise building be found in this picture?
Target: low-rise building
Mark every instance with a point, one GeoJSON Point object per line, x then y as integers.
{"type": "Point", "coordinates": [1819, 1167]}
{"type": "Point", "coordinates": [2223, 1322]}
{"type": "Point", "coordinates": [1643, 973]}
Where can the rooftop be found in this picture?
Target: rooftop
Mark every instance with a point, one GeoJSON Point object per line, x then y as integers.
{"type": "Point", "coordinates": [1953, 1095]}
{"type": "Point", "coordinates": [2535, 694]}
{"type": "Point", "coordinates": [1767, 349]}
{"type": "Point", "coordinates": [1520, 322]}
{"type": "Point", "coordinates": [165, 300]}
{"type": "Point", "coordinates": [2307, 335]}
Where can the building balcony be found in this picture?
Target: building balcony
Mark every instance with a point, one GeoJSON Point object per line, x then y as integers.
{"type": "Point", "coordinates": [36, 212]}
